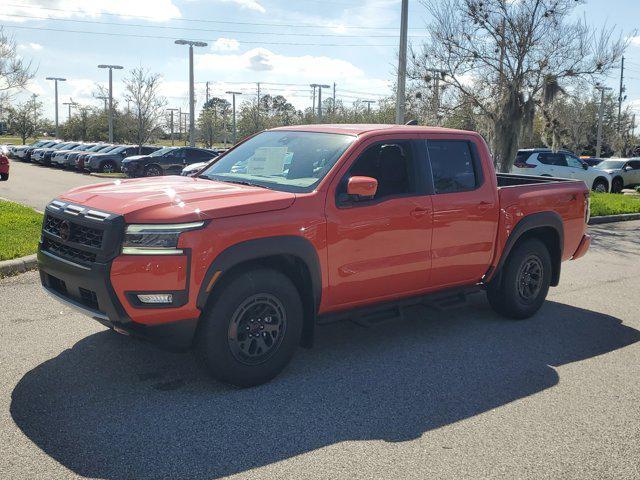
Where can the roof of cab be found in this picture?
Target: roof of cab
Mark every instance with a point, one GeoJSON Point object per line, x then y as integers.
{"type": "Point", "coordinates": [359, 129]}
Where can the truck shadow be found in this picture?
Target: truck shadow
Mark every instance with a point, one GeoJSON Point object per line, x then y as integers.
{"type": "Point", "coordinates": [115, 408]}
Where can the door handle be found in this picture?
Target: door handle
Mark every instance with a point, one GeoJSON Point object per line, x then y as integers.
{"type": "Point", "coordinates": [484, 206]}
{"type": "Point", "coordinates": [420, 212]}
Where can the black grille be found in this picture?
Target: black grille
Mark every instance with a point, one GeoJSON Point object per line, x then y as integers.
{"type": "Point", "coordinates": [91, 237]}
{"type": "Point", "coordinates": [70, 253]}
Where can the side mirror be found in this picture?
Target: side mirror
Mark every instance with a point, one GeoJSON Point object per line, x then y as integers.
{"type": "Point", "coordinates": [362, 187]}
{"type": "Point", "coordinates": [627, 168]}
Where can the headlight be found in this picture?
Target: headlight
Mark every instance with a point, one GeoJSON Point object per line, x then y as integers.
{"type": "Point", "coordinates": [155, 239]}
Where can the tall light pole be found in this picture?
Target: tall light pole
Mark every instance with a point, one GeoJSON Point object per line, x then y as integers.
{"type": "Point", "coordinates": [368, 102]}
{"type": "Point", "coordinates": [192, 116]}
{"type": "Point", "coordinates": [104, 99]}
{"type": "Point", "coordinates": [320, 87]}
{"type": "Point", "coordinates": [56, 80]}
{"type": "Point", "coordinates": [111, 68]}
{"type": "Point", "coordinates": [233, 94]}
{"type": "Point", "coordinates": [402, 64]}
{"type": "Point", "coordinates": [600, 116]}
{"type": "Point", "coordinates": [70, 104]}
{"type": "Point", "coordinates": [172, 110]}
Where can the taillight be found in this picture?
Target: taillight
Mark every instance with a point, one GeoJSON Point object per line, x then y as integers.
{"type": "Point", "coordinates": [587, 207]}
{"type": "Point", "coordinates": [523, 165]}
{"type": "Point", "coordinates": [3, 160]}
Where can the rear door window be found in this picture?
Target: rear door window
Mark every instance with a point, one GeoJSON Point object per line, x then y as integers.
{"type": "Point", "coordinates": [453, 165]}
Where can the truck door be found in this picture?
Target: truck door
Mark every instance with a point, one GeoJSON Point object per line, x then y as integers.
{"type": "Point", "coordinates": [465, 212]}
{"type": "Point", "coordinates": [379, 248]}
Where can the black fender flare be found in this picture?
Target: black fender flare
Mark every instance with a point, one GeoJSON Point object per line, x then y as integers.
{"type": "Point", "coordinates": [527, 224]}
{"type": "Point", "coordinates": [265, 247]}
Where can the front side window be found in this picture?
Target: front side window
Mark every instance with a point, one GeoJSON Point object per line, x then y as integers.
{"type": "Point", "coordinates": [290, 161]}
{"type": "Point", "coordinates": [452, 166]}
{"type": "Point", "coordinates": [573, 162]}
{"type": "Point", "coordinates": [391, 163]}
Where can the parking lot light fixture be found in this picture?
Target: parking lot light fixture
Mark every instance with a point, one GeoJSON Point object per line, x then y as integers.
{"type": "Point", "coordinates": [56, 80]}
{"type": "Point", "coordinates": [191, 43]}
{"type": "Point", "coordinates": [235, 133]}
{"type": "Point", "coordinates": [111, 68]}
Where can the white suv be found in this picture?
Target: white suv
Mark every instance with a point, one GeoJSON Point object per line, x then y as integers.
{"type": "Point", "coordinates": [561, 164]}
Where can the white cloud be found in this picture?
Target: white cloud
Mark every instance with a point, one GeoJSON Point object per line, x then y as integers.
{"type": "Point", "coordinates": [152, 10]}
{"type": "Point", "coordinates": [225, 45]}
{"type": "Point", "coordinates": [30, 46]}
{"type": "Point", "coordinates": [241, 70]}
{"type": "Point", "coordinates": [635, 41]}
{"type": "Point", "coordinates": [248, 4]}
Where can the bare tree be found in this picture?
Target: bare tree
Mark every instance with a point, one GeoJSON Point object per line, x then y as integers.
{"type": "Point", "coordinates": [15, 73]}
{"type": "Point", "coordinates": [503, 54]}
{"type": "Point", "coordinates": [147, 105]}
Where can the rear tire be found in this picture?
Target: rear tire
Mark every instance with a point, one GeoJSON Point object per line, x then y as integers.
{"type": "Point", "coordinates": [251, 328]}
{"type": "Point", "coordinates": [600, 185]}
{"type": "Point", "coordinates": [522, 287]}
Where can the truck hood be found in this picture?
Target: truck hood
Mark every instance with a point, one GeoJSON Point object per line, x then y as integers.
{"type": "Point", "coordinates": [175, 199]}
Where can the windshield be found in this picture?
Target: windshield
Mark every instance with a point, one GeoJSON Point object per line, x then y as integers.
{"type": "Point", "coordinates": [611, 164]}
{"type": "Point", "coordinates": [282, 160]}
{"type": "Point", "coordinates": [162, 151]}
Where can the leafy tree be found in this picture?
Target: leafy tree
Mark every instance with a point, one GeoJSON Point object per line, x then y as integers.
{"type": "Point", "coordinates": [23, 119]}
{"type": "Point", "coordinates": [15, 72]}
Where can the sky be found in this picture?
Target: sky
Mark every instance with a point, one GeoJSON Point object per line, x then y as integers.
{"type": "Point", "coordinates": [285, 45]}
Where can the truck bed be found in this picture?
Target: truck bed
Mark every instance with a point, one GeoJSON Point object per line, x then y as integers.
{"type": "Point", "coordinates": [512, 179]}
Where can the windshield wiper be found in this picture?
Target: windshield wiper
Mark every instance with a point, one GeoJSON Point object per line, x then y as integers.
{"type": "Point", "coordinates": [239, 182]}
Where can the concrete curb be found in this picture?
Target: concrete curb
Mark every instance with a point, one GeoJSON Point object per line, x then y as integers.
{"type": "Point", "coordinates": [625, 217]}
{"type": "Point", "coordinates": [18, 265]}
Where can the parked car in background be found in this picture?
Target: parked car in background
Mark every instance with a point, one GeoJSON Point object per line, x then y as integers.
{"type": "Point", "coordinates": [82, 156]}
{"type": "Point", "coordinates": [26, 151]}
{"type": "Point", "coordinates": [4, 167]}
{"type": "Point", "coordinates": [43, 155]}
{"type": "Point", "coordinates": [70, 158]}
{"type": "Point", "coordinates": [561, 164]}
{"type": "Point", "coordinates": [111, 161]}
{"type": "Point", "coordinates": [591, 161]}
{"type": "Point", "coordinates": [166, 161]}
{"type": "Point", "coordinates": [193, 168]}
{"type": "Point", "coordinates": [58, 159]}
{"type": "Point", "coordinates": [625, 172]}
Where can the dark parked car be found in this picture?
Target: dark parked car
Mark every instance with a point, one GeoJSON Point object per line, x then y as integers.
{"type": "Point", "coordinates": [82, 156]}
{"type": "Point", "coordinates": [111, 161]}
{"type": "Point", "coordinates": [166, 161]}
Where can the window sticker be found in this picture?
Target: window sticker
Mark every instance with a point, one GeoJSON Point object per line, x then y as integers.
{"type": "Point", "coordinates": [267, 161]}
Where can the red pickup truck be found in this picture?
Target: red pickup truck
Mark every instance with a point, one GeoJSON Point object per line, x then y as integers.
{"type": "Point", "coordinates": [307, 224]}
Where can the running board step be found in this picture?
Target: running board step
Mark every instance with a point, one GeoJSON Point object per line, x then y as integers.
{"type": "Point", "coordinates": [379, 316]}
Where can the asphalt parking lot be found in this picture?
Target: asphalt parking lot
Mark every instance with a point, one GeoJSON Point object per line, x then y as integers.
{"type": "Point", "coordinates": [36, 185]}
{"type": "Point", "coordinates": [454, 394]}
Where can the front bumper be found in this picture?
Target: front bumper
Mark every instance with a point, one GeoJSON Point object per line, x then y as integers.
{"type": "Point", "coordinates": [81, 277]}
{"type": "Point", "coordinates": [88, 290]}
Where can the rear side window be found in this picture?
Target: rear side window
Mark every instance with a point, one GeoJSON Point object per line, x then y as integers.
{"type": "Point", "coordinates": [453, 166]}
{"type": "Point", "coordinates": [552, 159]}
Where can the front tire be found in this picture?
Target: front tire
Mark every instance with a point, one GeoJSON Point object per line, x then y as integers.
{"type": "Point", "coordinates": [4, 177]}
{"type": "Point", "coordinates": [600, 185]}
{"type": "Point", "coordinates": [251, 328]}
{"type": "Point", "coordinates": [153, 171]}
{"type": "Point", "coordinates": [522, 288]}
{"type": "Point", "coordinates": [108, 167]}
